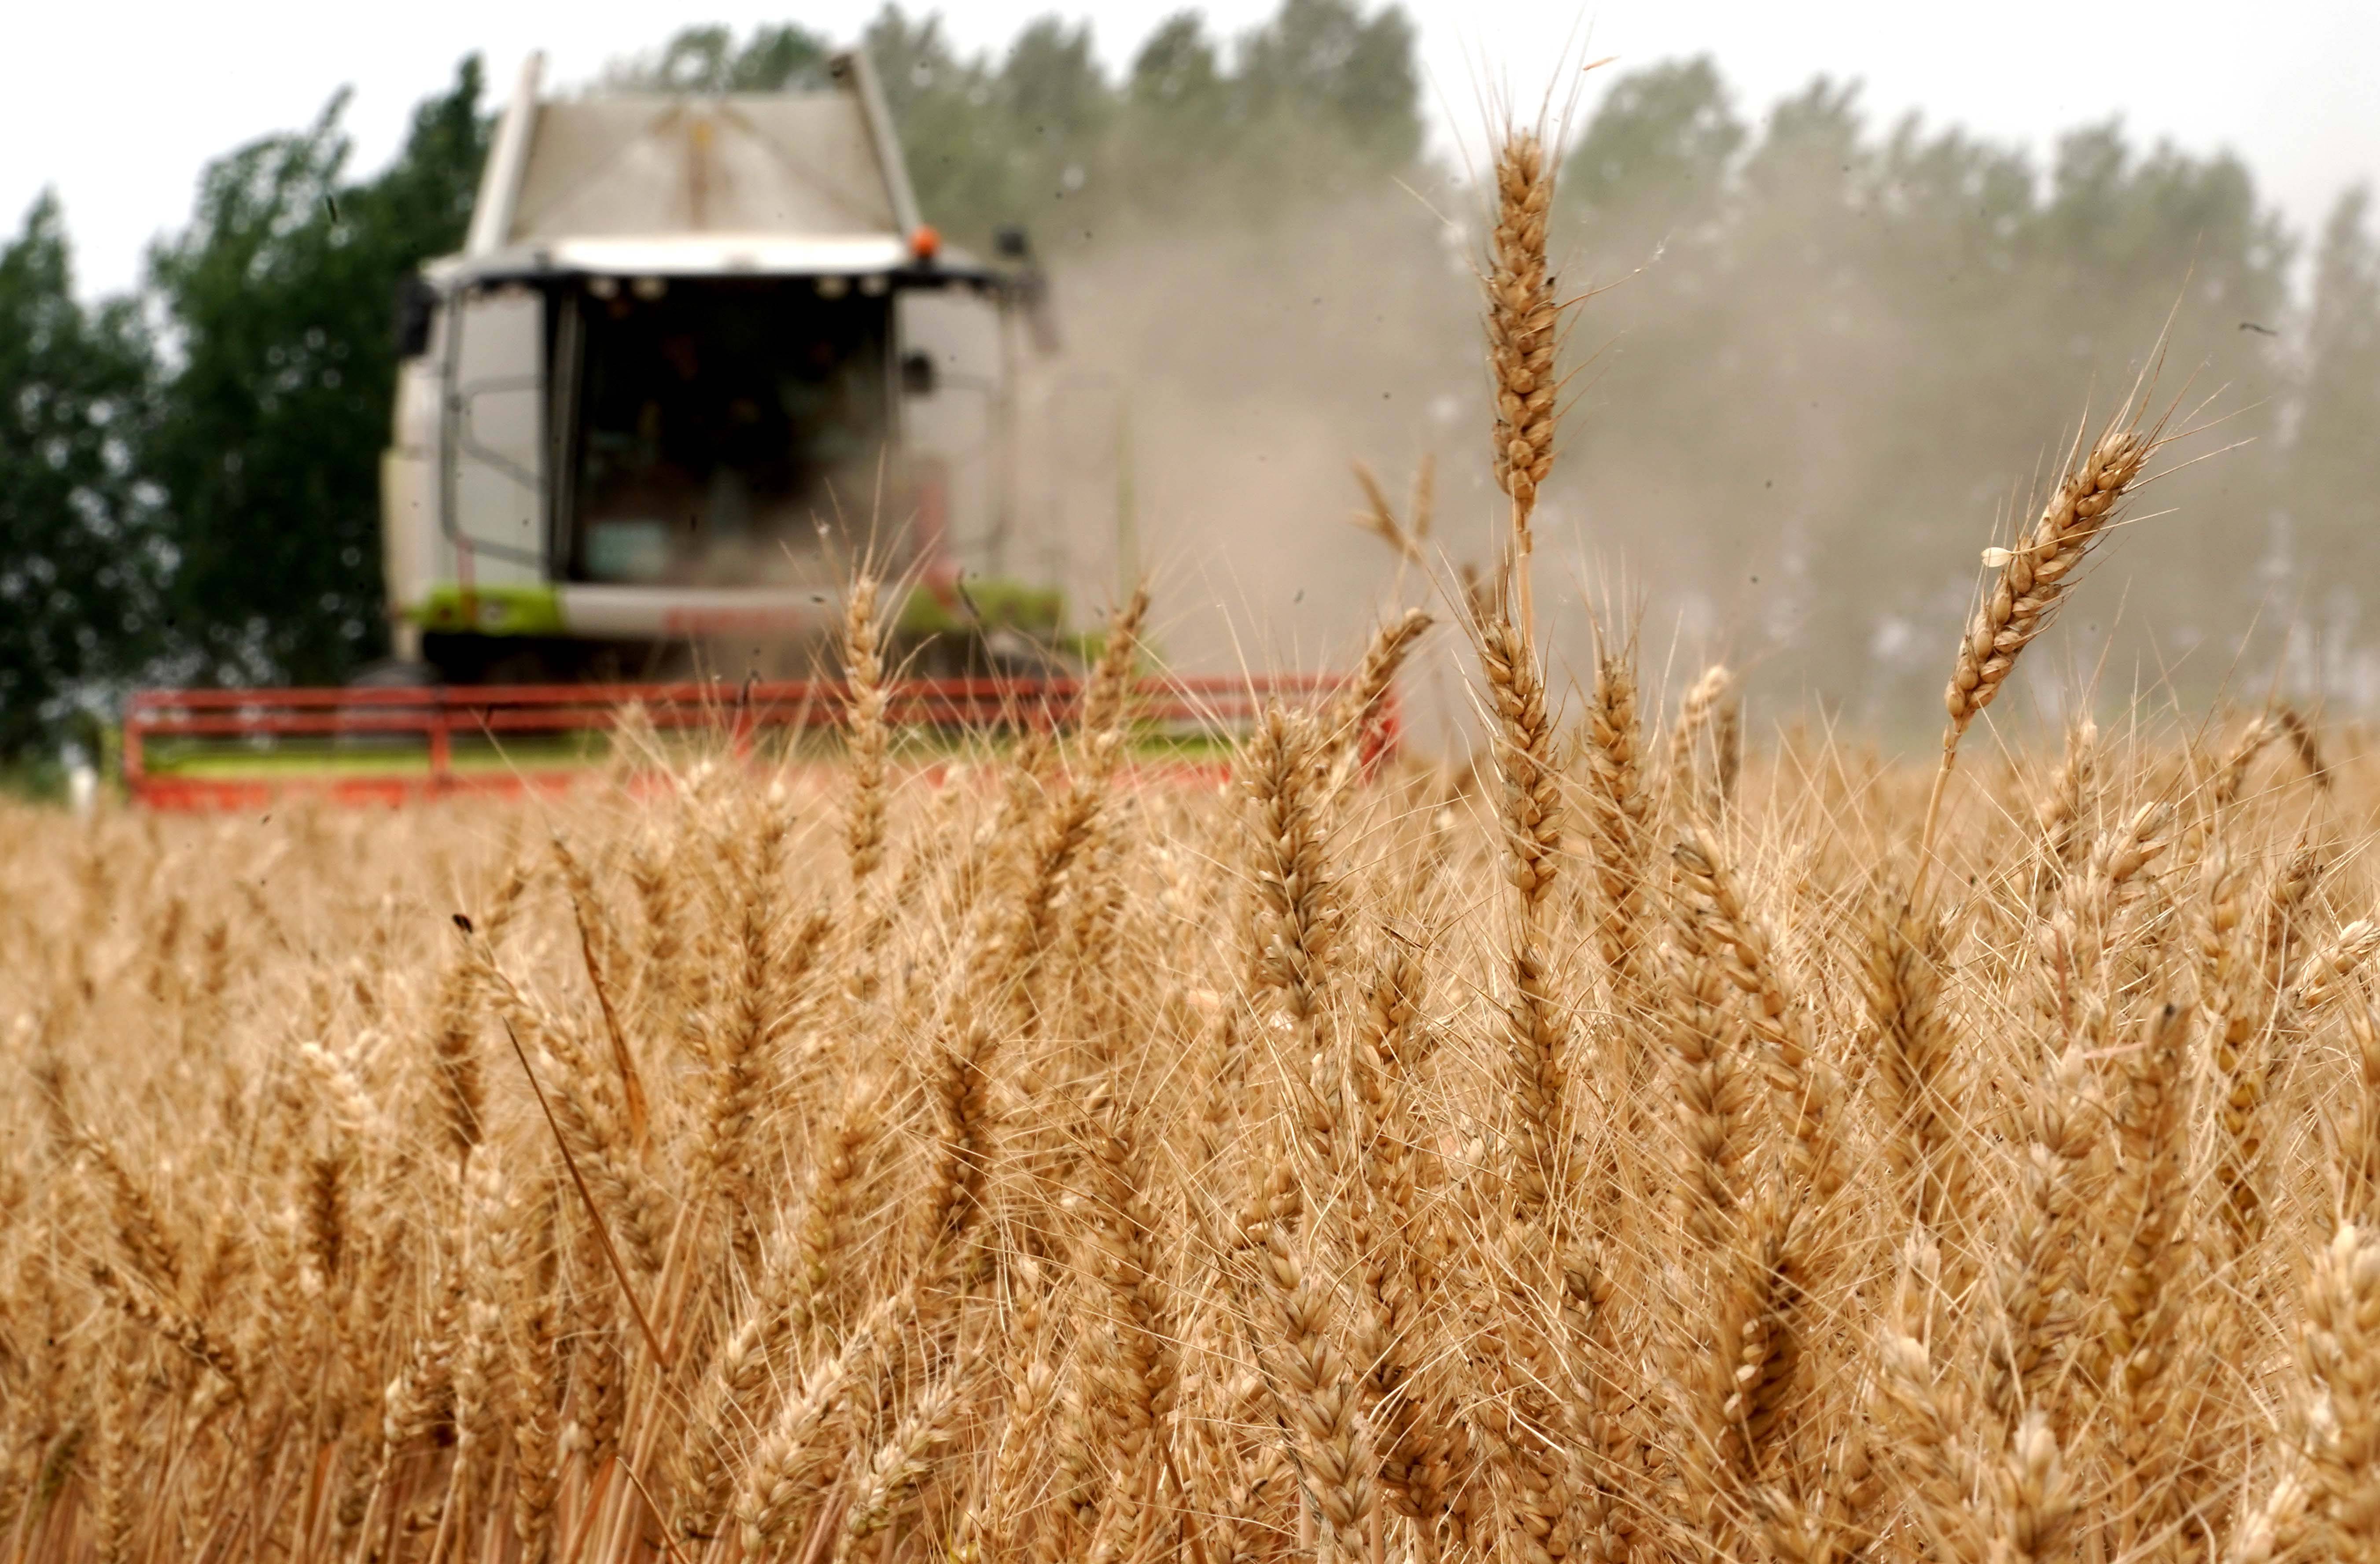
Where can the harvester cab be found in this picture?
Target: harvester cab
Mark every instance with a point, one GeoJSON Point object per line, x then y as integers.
{"type": "Point", "coordinates": [698, 354]}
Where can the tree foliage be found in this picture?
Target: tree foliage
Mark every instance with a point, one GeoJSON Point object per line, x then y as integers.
{"type": "Point", "coordinates": [278, 298]}
{"type": "Point", "coordinates": [776, 57]}
{"type": "Point", "coordinates": [1322, 98]}
{"type": "Point", "coordinates": [1846, 347]}
{"type": "Point", "coordinates": [80, 556]}
{"type": "Point", "coordinates": [2334, 450]}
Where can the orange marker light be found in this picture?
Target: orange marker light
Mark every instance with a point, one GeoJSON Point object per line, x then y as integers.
{"type": "Point", "coordinates": [925, 244]}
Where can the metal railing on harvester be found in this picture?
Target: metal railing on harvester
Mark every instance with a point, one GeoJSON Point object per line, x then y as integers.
{"type": "Point", "coordinates": [233, 749]}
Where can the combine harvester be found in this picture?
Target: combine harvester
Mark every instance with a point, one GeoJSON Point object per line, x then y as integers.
{"type": "Point", "coordinates": [697, 353]}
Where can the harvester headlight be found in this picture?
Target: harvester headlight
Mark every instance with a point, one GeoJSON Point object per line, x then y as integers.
{"type": "Point", "coordinates": [833, 287]}
{"type": "Point", "coordinates": [650, 288]}
{"type": "Point", "coordinates": [604, 287]}
{"type": "Point", "coordinates": [874, 287]}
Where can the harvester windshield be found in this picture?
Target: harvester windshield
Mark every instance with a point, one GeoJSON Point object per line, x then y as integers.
{"type": "Point", "coordinates": [721, 423]}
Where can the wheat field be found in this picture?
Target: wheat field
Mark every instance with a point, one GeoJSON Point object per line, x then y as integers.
{"type": "Point", "coordinates": [1637, 1142]}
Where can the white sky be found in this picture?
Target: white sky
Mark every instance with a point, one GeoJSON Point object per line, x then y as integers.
{"type": "Point", "coordinates": [119, 105]}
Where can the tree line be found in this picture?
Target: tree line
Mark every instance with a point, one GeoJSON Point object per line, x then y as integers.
{"type": "Point", "coordinates": [1827, 341]}
{"type": "Point", "coordinates": [1858, 341]}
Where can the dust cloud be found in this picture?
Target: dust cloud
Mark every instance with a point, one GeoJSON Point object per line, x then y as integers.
{"type": "Point", "coordinates": [1790, 461]}
{"type": "Point", "coordinates": [1212, 392]}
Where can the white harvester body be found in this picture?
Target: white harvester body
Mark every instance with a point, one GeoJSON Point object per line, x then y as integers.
{"type": "Point", "coordinates": [696, 353]}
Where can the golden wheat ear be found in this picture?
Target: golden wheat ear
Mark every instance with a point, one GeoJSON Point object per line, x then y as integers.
{"type": "Point", "coordinates": [2033, 578]}
{"type": "Point", "coordinates": [1523, 325]}
{"type": "Point", "coordinates": [1355, 715]}
{"type": "Point", "coordinates": [1700, 746]}
{"type": "Point", "coordinates": [1380, 518]}
{"type": "Point", "coordinates": [867, 739]}
{"type": "Point", "coordinates": [2030, 582]}
{"type": "Point", "coordinates": [1619, 814]}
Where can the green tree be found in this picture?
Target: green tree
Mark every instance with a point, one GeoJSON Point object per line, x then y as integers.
{"type": "Point", "coordinates": [1322, 98]}
{"type": "Point", "coordinates": [1845, 351]}
{"type": "Point", "coordinates": [938, 102]}
{"type": "Point", "coordinates": [1812, 148]}
{"type": "Point", "coordinates": [1662, 143]}
{"type": "Point", "coordinates": [774, 58]}
{"type": "Point", "coordinates": [278, 297]}
{"type": "Point", "coordinates": [1057, 107]}
{"type": "Point", "coordinates": [1323, 65]}
{"type": "Point", "coordinates": [1178, 123]}
{"type": "Point", "coordinates": [2333, 458]}
{"type": "Point", "coordinates": [1051, 84]}
{"type": "Point", "coordinates": [80, 560]}
{"type": "Point", "coordinates": [1176, 81]}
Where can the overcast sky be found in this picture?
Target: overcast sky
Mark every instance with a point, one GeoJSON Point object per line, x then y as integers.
{"type": "Point", "coordinates": [119, 105]}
